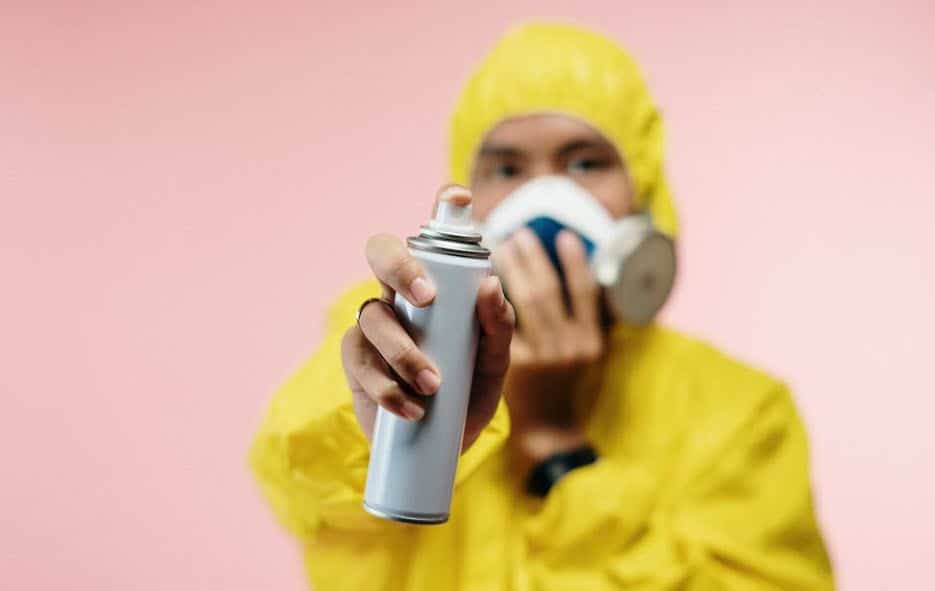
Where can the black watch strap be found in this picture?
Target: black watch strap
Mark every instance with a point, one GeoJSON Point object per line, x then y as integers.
{"type": "Point", "coordinates": [550, 470]}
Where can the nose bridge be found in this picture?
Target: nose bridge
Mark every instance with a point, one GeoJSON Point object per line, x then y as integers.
{"type": "Point", "coordinates": [544, 165]}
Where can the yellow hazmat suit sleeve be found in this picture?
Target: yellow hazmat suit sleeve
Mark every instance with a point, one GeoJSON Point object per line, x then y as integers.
{"type": "Point", "coordinates": [310, 456]}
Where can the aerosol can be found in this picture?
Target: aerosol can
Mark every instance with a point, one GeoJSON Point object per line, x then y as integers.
{"type": "Point", "coordinates": [413, 463]}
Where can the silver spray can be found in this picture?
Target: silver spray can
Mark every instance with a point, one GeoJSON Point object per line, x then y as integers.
{"type": "Point", "coordinates": [412, 463]}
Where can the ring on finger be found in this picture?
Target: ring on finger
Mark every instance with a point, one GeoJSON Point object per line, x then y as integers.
{"type": "Point", "coordinates": [360, 309]}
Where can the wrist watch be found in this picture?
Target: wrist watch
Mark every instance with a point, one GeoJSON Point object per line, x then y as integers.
{"type": "Point", "coordinates": [550, 470]}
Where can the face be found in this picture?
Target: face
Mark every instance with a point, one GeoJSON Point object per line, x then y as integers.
{"type": "Point", "coordinates": [523, 148]}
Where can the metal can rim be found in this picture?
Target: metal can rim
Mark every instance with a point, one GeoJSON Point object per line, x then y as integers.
{"type": "Point", "coordinates": [448, 247]}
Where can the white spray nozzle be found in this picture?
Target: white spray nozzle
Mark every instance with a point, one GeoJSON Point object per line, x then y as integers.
{"type": "Point", "coordinates": [453, 211]}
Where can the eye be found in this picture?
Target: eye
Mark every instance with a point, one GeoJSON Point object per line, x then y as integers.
{"type": "Point", "coordinates": [586, 164]}
{"type": "Point", "coordinates": [506, 171]}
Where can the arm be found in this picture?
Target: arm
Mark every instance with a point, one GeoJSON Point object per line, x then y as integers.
{"type": "Point", "coordinates": [743, 520]}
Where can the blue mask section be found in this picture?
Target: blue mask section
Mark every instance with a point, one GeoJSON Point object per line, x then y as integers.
{"type": "Point", "coordinates": [547, 230]}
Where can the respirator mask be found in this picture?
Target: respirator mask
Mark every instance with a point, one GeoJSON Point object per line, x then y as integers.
{"type": "Point", "coordinates": [631, 260]}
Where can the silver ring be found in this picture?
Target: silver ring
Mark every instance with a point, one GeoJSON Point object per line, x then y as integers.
{"type": "Point", "coordinates": [360, 308]}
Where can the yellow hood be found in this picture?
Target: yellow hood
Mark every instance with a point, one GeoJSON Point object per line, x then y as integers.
{"type": "Point", "coordinates": [559, 68]}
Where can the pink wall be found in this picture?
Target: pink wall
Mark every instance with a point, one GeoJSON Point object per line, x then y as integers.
{"type": "Point", "coordinates": [184, 185]}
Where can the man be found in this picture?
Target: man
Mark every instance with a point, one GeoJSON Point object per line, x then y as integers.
{"type": "Point", "coordinates": [696, 474]}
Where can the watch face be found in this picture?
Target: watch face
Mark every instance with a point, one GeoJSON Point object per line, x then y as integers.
{"type": "Point", "coordinates": [645, 279]}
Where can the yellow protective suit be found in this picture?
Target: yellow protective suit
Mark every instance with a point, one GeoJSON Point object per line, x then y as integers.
{"type": "Point", "coordinates": [702, 481]}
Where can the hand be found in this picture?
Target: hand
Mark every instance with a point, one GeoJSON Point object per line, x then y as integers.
{"type": "Point", "coordinates": [383, 365]}
{"type": "Point", "coordinates": [553, 345]}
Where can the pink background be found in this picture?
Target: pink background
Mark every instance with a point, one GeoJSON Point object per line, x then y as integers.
{"type": "Point", "coordinates": [184, 185]}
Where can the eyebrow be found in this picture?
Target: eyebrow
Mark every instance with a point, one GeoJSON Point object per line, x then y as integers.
{"type": "Point", "coordinates": [576, 145]}
{"type": "Point", "coordinates": [494, 150]}
{"type": "Point", "coordinates": [506, 151]}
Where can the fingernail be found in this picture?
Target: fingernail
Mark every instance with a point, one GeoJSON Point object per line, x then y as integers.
{"type": "Point", "coordinates": [568, 237]}
{"type": "Point", "coordinates": [428, 381]}
{"type": "Point", "coordinates": [412, 411]}
{"type": "Point", "coordinates": [526, 235]}
{"type": "Point", "coordinates": [456, 194]}
{"type": "Point", "coordinates": [421, 290]}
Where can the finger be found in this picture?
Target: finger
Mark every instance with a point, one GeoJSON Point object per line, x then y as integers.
{"type": "Point", "coordinates": [521, 351]}
{"type": "Point", "coordinates": [507, 265]}
{"type": "Point", "coordinates": [455, 194]}
{"type": "Point", "coordinates": [369, 378]}
{"type": "Point", "coordinates": [381, 327]}
{"type": "Point", "coordinates": [530, 323]}
{"type": "Point", "coordinates": [398, 270]}
{"type": "Point", "coordinates": [545, 282]}
{"type": "Point", "coordinates": [520, 345]}
{"type": "Point", "coordinates": [497, 321]}
{"type": "Point", "coordinates": [582, 285]}
{"type": "Point", "coordinates": [364, 407]}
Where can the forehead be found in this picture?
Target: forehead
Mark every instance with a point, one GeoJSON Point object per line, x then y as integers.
{"type": "Point", "coordinates": [542, 131]}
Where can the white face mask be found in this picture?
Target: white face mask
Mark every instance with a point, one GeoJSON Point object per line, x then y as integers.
{"type": "Point", "coordinates": [631, 260]}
